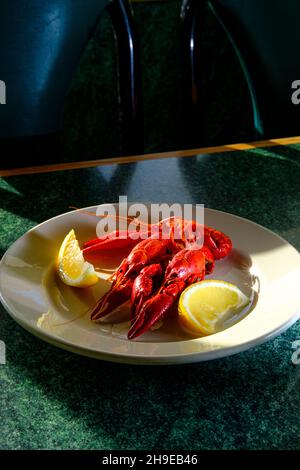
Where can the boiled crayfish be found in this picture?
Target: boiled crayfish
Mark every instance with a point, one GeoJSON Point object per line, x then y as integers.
{"type": "Point", "coordinates": [157, 269]}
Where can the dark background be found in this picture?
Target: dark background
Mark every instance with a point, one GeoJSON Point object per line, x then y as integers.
{"type": "Point", "coordinates": [91, 122]}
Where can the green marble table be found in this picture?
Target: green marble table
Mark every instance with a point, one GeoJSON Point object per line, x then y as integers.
{"type": "Point", "coordinates": [52, 399]}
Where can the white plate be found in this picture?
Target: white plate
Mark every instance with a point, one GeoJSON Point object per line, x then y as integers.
{"type": "Point", "coordinates": [262, 264]}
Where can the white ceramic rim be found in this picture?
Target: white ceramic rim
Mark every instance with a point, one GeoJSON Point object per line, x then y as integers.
{"type": "Point", "coordinates": [174, 355]}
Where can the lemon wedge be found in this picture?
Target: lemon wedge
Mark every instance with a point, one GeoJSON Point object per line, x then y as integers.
{"type": "Point", "coordinates": [72, 268]}
{"type": "Point", "coordinates": [206, 305]}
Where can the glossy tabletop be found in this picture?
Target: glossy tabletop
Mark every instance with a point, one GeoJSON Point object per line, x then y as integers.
{"type": "Point", "coordinates": [52, 399]}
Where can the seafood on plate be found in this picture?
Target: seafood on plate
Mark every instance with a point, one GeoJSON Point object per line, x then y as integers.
{"type": "Point", "coordinates": [181, 230]}
{"type": "Point", "coordinates": [157, 269]}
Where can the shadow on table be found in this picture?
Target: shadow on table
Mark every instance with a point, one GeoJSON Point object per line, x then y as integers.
{"type": "Point", "coordinates": [227, 403]}
{"type": "Point", "coordinates": [287, 153]}
{"type": "Point", "coordinates": [41, 196]}
{"type": "Point", "coordinates": [260, 184]}
{"type": "Point", "coordinates": [246, 401]}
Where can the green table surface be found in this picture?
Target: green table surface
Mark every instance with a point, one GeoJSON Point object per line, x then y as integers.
{"type": "Point", "coordinates": [52, 399]}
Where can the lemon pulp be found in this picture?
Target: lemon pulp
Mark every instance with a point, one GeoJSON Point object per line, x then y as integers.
{"type": "Point", "coordinates": [203, 306]}
{"type": "Point", "coordinates": [72, 268]}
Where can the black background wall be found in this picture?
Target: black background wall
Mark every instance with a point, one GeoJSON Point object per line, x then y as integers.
{"type": "Point", "coordinates": [91, 126]}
